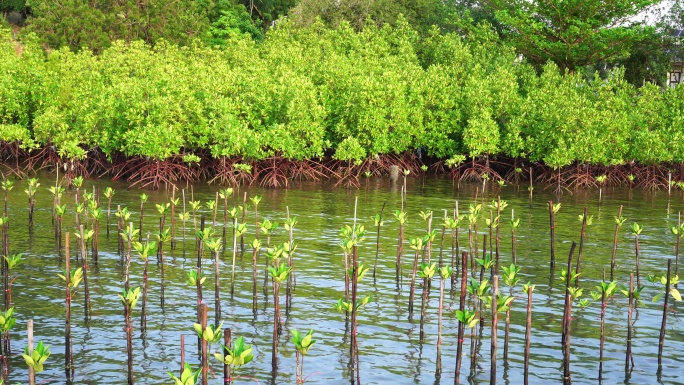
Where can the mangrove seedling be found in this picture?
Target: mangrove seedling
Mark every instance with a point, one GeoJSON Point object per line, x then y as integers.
{"type": "Point", "coordinates": [515, 223]}
{"type": "Point", "coordinates": [619, 221]}
{"type": "Point", "coordinates": [225, 194]}
{"type": "Point", "coordinates": [255, 201]}
{"type": "Point", "coordinates": [240, 230]}
{"type": "Point", "coordinates": [240, 354]}
{"type": "Point", "coordinates": [144, 251]}
{"type": "Point", "coordinates": [604, 292]}
{"type": "Point", "coordinates": [109, 193]}
{"type": "Point", "coordinates": [188, 377]}
{"type": "Point", "coordinates": [511, 279]}
{"type": "Point", "coordinates": [143, 199]}
{"type": "Point", "coordinates": [129, 298]}
{"type": "Point", "coordinates": [636, 231]}
{"type": "Point", "coordinates": [7, 322]}
{"type": "Point", "coordinates": [677, 231]}
{"type": "Point", "coordinates": [586, 221]}
{"type": "Point", "coordinates": [266, 227]}
{"type": "Point", "coordinates": [528, 289]}
{"type": "Point", "coordinates": [31, 193]}
{"type": "Point", "coordinates": [195, 205]}
{"type": "Point", "coordinates": [214, 245]}
{"type": "Point", "coordinates": [11, 262]}
{"type": "Point", "coordinates": [601, 179]}
{"type": "Point", "coordinates": [378, 223]}
{"type": "Point", "coordinates": [279, 275]}
{"type": "Point", "coordinates": [427, 271]}
{"type": "Point", "coordinates": [194, 278]}
{"type": "Point", "coordinates": [445, 273]}
{"type": "Point", "coordinates": [302, 345]}
{"type": "Point", "coordinates": [417, 244]}
{"type": "Point", "coordinates": [256, 248]}
{"type": "Point", "coordinates": [212, 334]}
{"type": "Point", "coordinates": [401, 218]}
{"type": "Point", "coordinates": [553, 210]}
{"type": "Point", "coordinates": [35, 359]}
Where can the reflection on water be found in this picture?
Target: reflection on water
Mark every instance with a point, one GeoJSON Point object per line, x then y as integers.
{"type": "Point", "coordinates": [389, 344]}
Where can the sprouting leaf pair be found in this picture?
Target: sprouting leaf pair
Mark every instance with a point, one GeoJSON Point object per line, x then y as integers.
{"type": "Point", "coordinates": [194, 277]}
{"type": "Point", "coordinates": [240, 354]}
{"type": "Point", "coordinates": [75, 277]}
{"type": "Point", "coordinates": [7, 320]}
{"type": "Point", "coordinates": [37, 357]}
{"type": "Point", "coordinates": [188, 377]}
{"type": "Point", "coordinates": [303, 342]}
{"type": "Point", "coordinates": [210, 334]}
{"type": "Point", "coordinates": [130, 297]}
{"type": "Point", "coordinates": [467, 317]}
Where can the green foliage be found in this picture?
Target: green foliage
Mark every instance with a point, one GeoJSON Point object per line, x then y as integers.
{"type": "Point", "coordinates": [188, 377]}
{"type": "Point", "coordinates": [239, 355]}
{"type": "Point", "coordinates": [210, 333]}
{"type": "Point", "coordinates": [572, 34]}
{"type": "Point", "coordinates": [303, 343]}
{"type": "Point", "coordinates": [130, 297]}
{"type": "Point", "coordinates": [7, 320]}
{"type": "Point", "coordinates": [309, 92]}
{"type": "Point", "coordinates": [36, 358]}
{"type": "Point", "coordinates": [96, 24]}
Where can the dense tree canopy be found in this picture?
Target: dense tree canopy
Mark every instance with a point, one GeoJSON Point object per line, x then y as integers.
{"type": "Point", "coordinates": [572, 33]}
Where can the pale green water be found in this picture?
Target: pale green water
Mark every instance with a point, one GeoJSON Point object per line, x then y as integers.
{"type": "Point", "coordinates": [390, 350]}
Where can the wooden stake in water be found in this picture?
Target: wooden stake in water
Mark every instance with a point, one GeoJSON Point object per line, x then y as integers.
{"type": "Point", "coordinates": [84, 261]}
{"type": "Point", "coordinates": [205, 348]}
{"type": "Point", "coordinates": [226, 368]}
{"type": "Point", "coordinates": [618, 222]}
{"type": "Point", "coordinates": [495, 323]}
{"type": "Point", "coordinates": [552, 227]}
{"type": "Point", "coordinates": [566, 316]}
{"type": "Point", "coordinates": [528, 333]}
{"type": "Point", "coordinates": [629, 359]}
{"type": "Point", "coordinates": [68, 350]}
{"type": "Point", "coordinates": [581, 245]}
{"type": "Point", "coordinates": [182, 353]}
{"type": "Point", "coordinates": [377, 241]}
{"type": "Point", "coordinates": [661, 339]}
{"type": "Point", "coordinates": [461, 307]}
{"type": "Point", "coordinates": [29, 332]}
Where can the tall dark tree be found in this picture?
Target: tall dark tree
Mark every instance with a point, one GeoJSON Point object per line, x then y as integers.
{"type": "Point", "coordinates": [573, 33]}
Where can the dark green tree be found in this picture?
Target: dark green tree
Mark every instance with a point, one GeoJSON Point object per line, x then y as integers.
{"type": "Point", "coordinates": [573, 33]}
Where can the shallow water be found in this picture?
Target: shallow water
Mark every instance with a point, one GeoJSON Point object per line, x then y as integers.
{"type": "Point", "coordinates": [389, 344]}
